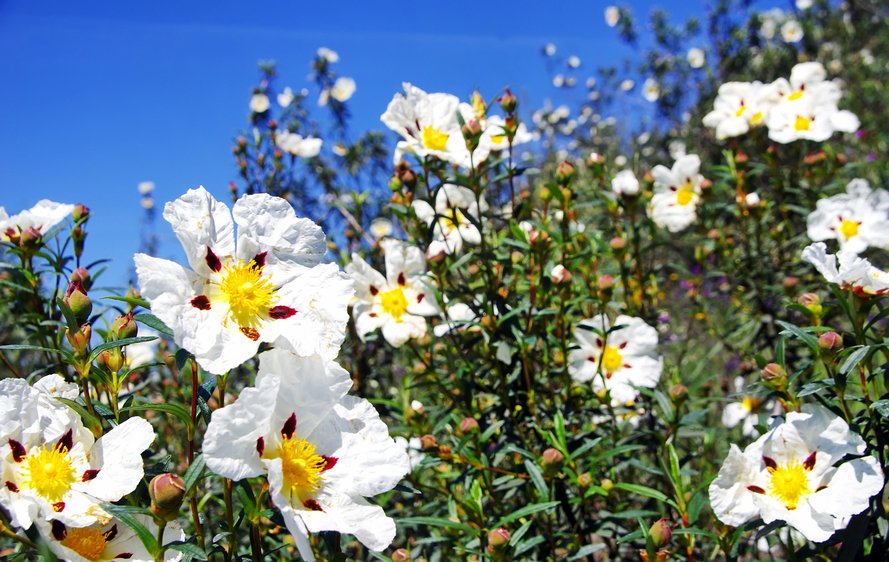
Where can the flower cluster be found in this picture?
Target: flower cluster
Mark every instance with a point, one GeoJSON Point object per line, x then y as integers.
{"type": "Point", "coordinates": [677, 192]}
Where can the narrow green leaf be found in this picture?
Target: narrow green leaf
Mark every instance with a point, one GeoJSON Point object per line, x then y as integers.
{"type": "Point", "coordinates": [131, 300]}
{"type": "Point", "coordinates": [193, 474]}
{"type": "Point", "coordinates": [153, 321]}
{"type": "Point", "coordinates": [175, 409]}
{"type": "Point", "coordinates": [537, 479]}
{"type": "Point", "coordinates": [188, 548]}
{"type": "Point", "coordinates": [118, 343]}
{"type": "Point", "coordinates": [526, 511]}
{"type": "Point", "coordinates": [641, 490]}
{"type": "Point", "coordinates": [128, 516]}
{"type": "Point", "coordinates": [435, 522]}
{"type": "Point", "coordinates": [854, 359]}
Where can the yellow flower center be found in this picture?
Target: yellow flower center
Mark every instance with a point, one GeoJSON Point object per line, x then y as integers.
{"type": "Point", "coordinates": [612, 360]}
{"type": "Point", "coordinates": [433, 139]}
{"type": "Point", "coordinates": [686, 194]}
{"type": "Point", "coordinates": [394, 303]}
{"type": "Point", "coordinates": [49, 473]}
{"type": "Point", "coordinates": [802, 123]}
{"type": "Point", "coordinates": [302, 467]}
{"type": "Point", "coordinates": [88, 542]}
{"type": "Point", "coordinates": [452, 219]}
{"type": "Point", "coordinates": [848, 228]}
{"type": "Point", "coordinates": [795, 95]}
{"type": "Point", "coordinates": [741, 111]}
{"type": "Point", "coordinates": [757, 117]}
{"type": "Point", "coordinates": [248, 293]}
{"type": "Point", "coordinates": [497, 139]}
{"type": "Point", "coordinates": [789, 483]}
{"type": "Point", "coordinates": [750, 404]}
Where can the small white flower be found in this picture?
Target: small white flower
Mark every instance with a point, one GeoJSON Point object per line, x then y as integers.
{"type": "Point", "coordinates": [323, 452]}
{"type": "Point", "coordinates": [740, 106]}
{"type": "Point", "coordinates": [676, 193]}
{"type": "Point", "coordinates": [381, 228]}
{"type": "Point", "coordinates": [625, 183]}
{"type": "Point", "coordinates": [549, 49]}
{"type": "Point", "coordinates": [651, 90]}
{"type": "Point", "coordinates": [396, 303]}
{"type": "Point", "coordinates": [790, 474]}
{"type": "Point", "coordinates": [746, 411]}
{"type": "Point", "coordinates": [620, 160]}
{"type": "Point", "coordinates": [618, 360]}
{"type": "Point", "coordinates": [612, 15]}
{"type": "Point", "coordinates": [627, 85]}
{"type": "Point", "coordinates": [457, 316]}
{"type": "Point", "coordinates": [791, 31]}
{"type": "Point", "coordinates": [297, 145]}
{"type": "Point", "coordinates": [558, 80]}
{"type": "Point", "coordinates": [453, 219]}
{"type": "Point", "coordinates": [286, 97]}
{"type": "Point", "coordinates": [804, 4]}
{"type": "Point", "coordinates": [259, 103]}
{"type": "Point", "coordinates": [342, 89]}
{"type": "Point", "coordinates": [677, 149]}
{"type": "Point", "coordinates": [573, 61]}
{"type": "Point", "coordinates": [857, 219]}
{"type": "Point", "coordinates": [42, 217]}
{"type": "Point", "coordinates": [695, 57]}
{"type": "Point", "coordinates": [847, 270]}
{"type": "Point", "coordinates": [329, 55]}
{"type": "Point", "coordinates": [752, 200]}
{"type": "Point", "coordinates": [413, 448]}
{"type": "Point", "coordinates": [145, 187]}
{"type": "Point", "coordinates": [107, 541]}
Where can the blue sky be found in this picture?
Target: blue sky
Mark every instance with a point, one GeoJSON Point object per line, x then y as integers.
{"type": "Point", "coordinates": [99, 96]}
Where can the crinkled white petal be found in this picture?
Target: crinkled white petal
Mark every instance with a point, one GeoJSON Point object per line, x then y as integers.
{"type": "Point", "coordinates": [200, 221]}
{"type": "Point", "coordinates": [118, 457]}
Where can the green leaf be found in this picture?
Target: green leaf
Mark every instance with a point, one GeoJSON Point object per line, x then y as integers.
{"type": "Point", "coordinates": [435, 522]}
{"type": "Point", "coordinates": [537, 479]}
{"type": "Point", "coordinates": [70, 319]}
{"type": "Point", "coordinates": [193, 474]}
{"type": "Point", "coordinates": [641, 490]}
{"type": "Point", "coordinates": [854, 359]}
{"type": "Point", "coordinates": [881, 407]}
{"type": "Point", "coordinates": [127, 515]}
{"type": "Point", "coordinates": [796, 331]}
{"type": "Point", "coordinates": [118, 343]}
{"type": "Point", "coordinates": [131, 300]}
{"type": "Point", "coordinates": [153, 321]}
{"type": "Point", "coordinates": [175, 409]}
{"type": "Point", "coordinates": [188, 548]}
{"type": "Point", "coordinates": [526, 511]}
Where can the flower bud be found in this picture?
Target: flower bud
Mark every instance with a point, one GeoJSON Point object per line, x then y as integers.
{"type": "Point", "coordinates": [428, 442]}
{"type": "Point", "coordinates": [584, 480]}
{"type": "Point", "coordinates": [774, 376]}
{"type": "Point", "coordinates": [552, 461]}
{"type": "Point", "coordinates": [30, 239]}
{"type": "Point", "coordinates": [472, 132]}
{"type": "Point", "coordinates": [167, 492]}
{"type": "Point", "coordinates": [830, 341]}
{"type": "Point", "coordinates": [790, 282]}
{"type": "Point", "coordinates": [79, 340]}
{"type": "Point", "coordinates": [560, 275]}
{"type": "Point", "coordinates": [479, 106]}
{"type": "Point", "coordinates": [498, 540]}
{"type": "Point", "coordinates": [508, 101]}
{"type": "Point", "coordinates": [596, 159]}
{"type": "Point", "coordinates": [811, 301]}
{"type": "Point", "coordinates": [111, 359]}
{"type": "Point", "coordinates": [467, 426]}
{"type": "Point", "coordinates": [78, 301]}
{"type": "Point", "coordinates": [124, 327]}
{"type": "Point", "coordinates": [80, 213]}
{"type": "Point", "coordinates": [82, 276]}
{"type": "Point", "coordinates": [565, 173]}
{"type": "Point", "coordinates": [444, 453]}
{"type": "Point", "coordinates": [660, 533]}
{"type": "Point", "coordinates": [606, 484]}
{"type": "Point", "coordinates": [78, 236]}
{"type": "Point", "coordinates": [618, 243]}
{"type": "Point", "coordinates": [678, 392]}
{"type": "Point", "coordinates": [401, 555]}
{"type": "Point", "coordinates": [605, 282]}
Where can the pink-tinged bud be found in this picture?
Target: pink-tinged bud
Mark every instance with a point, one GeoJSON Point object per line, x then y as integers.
{"type": "Point", "coordinates": [111, 359]}
{"type": "Point", "coordinates": [472, 132]}
{"type": "Point", "coordinates": [167, 492]}
{"type": "Point", "coordinates": [79, 340]}
{"type": "Point", "coordinates": [478, 105]}
{"type": "Point", "coordinates": [30, 238]}
{"type": "Point", "coordinates": [584, 480]}
{"type": "Point", "coordinates": [80, 213]}
{"type": "Point", "coordinates": [596, 159]}
{"type": "Point", "coordinates": [78, 236]}
{"type": "Point", "coordinates": [605, 282]}
{"type": "Point", "coordinates": [428, 442]}
{"type": "Point", "coordinates": [401, 555]}
{"type": "Point", "coordinates": [508, 101]}
{"type": "Point", "coordinates": [78, 301]}
{"type": "Point", "coordinates": [560, 275]}
{"type": "Point", "coordinates": [124, 327]}
{"type": "Point", "coordinates": [444, 453]}
{"type": "Point", "coordinates": [467, 426]}
{"type": "Point", "coordinates": [660, 533]}
{"type": "Point", "coordinates": [498, 540]}
{"type": "Point", "coordinates": [678, 392]}
{"type": "Point", "coordinates": [811, 301]}
{"type": "Point", "coordinates": [565, 173]}
{"type": "Point", "coordinates": [82, 276]}
{"type": "Point", "coordinates": [618, 243]}
{"type": "Point", "coordinates": [830, 341]}
{"type": "Point", "coordinates": [790, 282]}
{"type": "Point", "coordinates": [552, 461]}
{"type": "Point", "coordinates": [774, 376]}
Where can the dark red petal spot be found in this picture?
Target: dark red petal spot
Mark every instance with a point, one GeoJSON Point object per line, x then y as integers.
{"type": "Point", "coordinates": [66, 442]}
{"type": "Point", "coordinates": [251, 333]}
{"type": "Point", "coordinates": [770, 462]}
{"type": "Point", "coordinates": [59, 532]}
{"type": "Point", "coordinates": [401, 279]}
{"type": "Point", "coordinates": [627, 366]}
{"type": "Point", "coordinates": [623, 345]}
{"type": "Point", "coordinates": [313, 505]}
{"type": "Point", "coordinates": [201, 302]}
{"type": "Point", "coordinates": [89, 474]}
{"type": "Point", "coordinates": [11, 486]}
{"type": "Point", "coordinates": [329, 462]}
{"type": "Point", "coordinates": [289, 426]}
{"type": "Point", "coordinates": [591, 359]}
{"type": "Point", "coordinates": [281, 312]}
{"type": "Point", "coordinates": [18, 450]}
{"type": "Point", "coordinates": [599, 342]}
{"type": "Point", "coordinates": [809, 463]}
{"type": "Point", "coordinates": [259, 260]}
{"type": "Point", "coordinates": [58, 506]}
{"type": "Point", "coordinates": [110, 533]}
{"type": "Point", "coordinates": [420, 298]}
{"type": "Point", "coordinates": [373, 290]}
{"type": "Point", "coordinates": [822, 487]}
{"type": "Point", "coordinates": [213, 261]}
{"type": "Point", "coordinates": [124, 555]}
{"type": "Point", "coordinates": [260, 446]}
{"type": "Point", "coordinates": [756, 489]}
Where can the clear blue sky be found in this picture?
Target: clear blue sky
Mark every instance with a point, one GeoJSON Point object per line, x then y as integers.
{"type": "Point", "coordinates": [99, 96]}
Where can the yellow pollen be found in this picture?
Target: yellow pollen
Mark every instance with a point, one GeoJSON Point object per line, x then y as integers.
{"type": "Point", "coordinates": [795, 95]}
{"type": "Point", "coordinates": [750, 403]}
{"type": "Point", "coordinates": [848, 228]}
{"type": "Point", "coordinates": [612, 360]}
{"type": "Point", "coordinates": [789, 483]}
{"type": "Point", "coordinates": [301, 466]}
{"type": "Point", "coordinates": [757, 117]}
{"type": "Point", "coordinates": [88, 542]}
{"type": "Point", "coordinates": [248, 293]}
{"type": "Point", "coordinates": [686, 194]}
{"type": "Point", "coordinates": [802, 123]}
{"type": "Point", "coordinates": [452, 219]}
{"type": "Point", "coordinates": [394, 303]}
{"type": "Point", "coordinates": [433, 139]}
{"type": "Point", "coordinates": [497, 139]}
{"type": "Point", "coordinates": [741, 111]}
{"type": "Point", "coordinates": [49, 473]}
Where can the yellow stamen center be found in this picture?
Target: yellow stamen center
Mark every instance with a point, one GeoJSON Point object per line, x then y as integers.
{"type": "Point", "coordinates": [248, 293]}
{"type": "Point", "coordinates": [741, 111]}
{"type": "Point", "coordinates": [795, 95]}
{"type": "Point", "coordinates": [452, 219]}
{"type": "Point", "coordinates": [302, 467]}
{"type": "Point", "coordinates": [789, 483]}
{"type": "Point", "coordinates": [802, 123]}
{"type": "Point", "coordinates": [757, 117]}
{"type": "Point", "coordinates": [88, 542]}
{"type": "Point", "coordinates": [686, 194]}
{"type": "Point", "coordinates": [497, 139]}
{"type": "Point", "coordinates": [848, 228]}
{"type": "Point", "coordinates": [433, 139]}
{"type": "Point", "coordinates": [49, 473]}
{"type": "Point", "coordinates": [394, 303]}
{"type": "Point", "coordinates": [750, 404]}
{"type": "Point", "coordinates": [612, 360]}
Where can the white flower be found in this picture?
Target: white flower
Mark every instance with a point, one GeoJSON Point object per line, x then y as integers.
{"type": "Point", "coordinates": [677, 192]}
{"type": "Point", "coordinates": [559, 80]}
{"type": "Point", "coordinates": [145, 187]}
{"type": "Point", "coordinates": [322, 451]}
{"type": "Point", "coordinates": [856, 222]}
{"type": "Point", "coordinates": [41, 217]}
{"type": "Point", "coordinates": [740, 106]}
{"type": "Point", "coordinates": [770, 20]}
{"type": "Point", "coordinates": [52, 466]}
{"type": "Point", "coordinates": [651, 90]}
{"type": "Point", "coordinates": [625, 183]}
{"type": "Point", "coordinates": [803, 4]}
{"type": "Point", "coordinates": [494, 135]}
{"type": "Point", "coordinates": [573, 61]}
{"type": "Point", "coordinates": [413, 448]}
{"type": "Point", "coordinates": [328, 54]}
{"type": "Point", "coordinates": [695, 57]}
{"type": "Point", "coordinates": [139, 354]}
{"type": "Point", "coordinates": [612, 15]}
{"type": "Point", "coordinates": [791, 31]}
{"type": "Point", "coordinates": [266, 282]}
{"type": "Point", "coordinates": [452, 220]}
{"type": "Point", "coordinates": [752, 200]}
{"type": "Point", "coordinates": [107, 541]}
{"type": "Point", "coordinates": [286, 97]}
{"type": "Point", "coordinates": [789, 475]}
{"type": "Point", "coordinates": [457, 316]}
{"type": "Point", "coordinates": [381, 228]}
{"type": "Point", "coordinates": [745, 411]}
{"type": "Point", "coordinates": [677, 149]}
{"type": "Point", "coordinates": [618, 360]}
{"type": "Point", "coordinates": [297, 145]}
{"type": "Point", "coordinates": [847, 270]}
{"type": "Point", "coordinates": [549, 49]}
{"type": "Point", "coordinates": [342, 89]}
{"type": "Point", "coordinates": [396, 303]}
{"type": "Point", "coordinates": [259, 103]}
{"type": "Point", "coordinates": [56, 387]}
{"type": "Point", "coordinates": [627, 85]}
